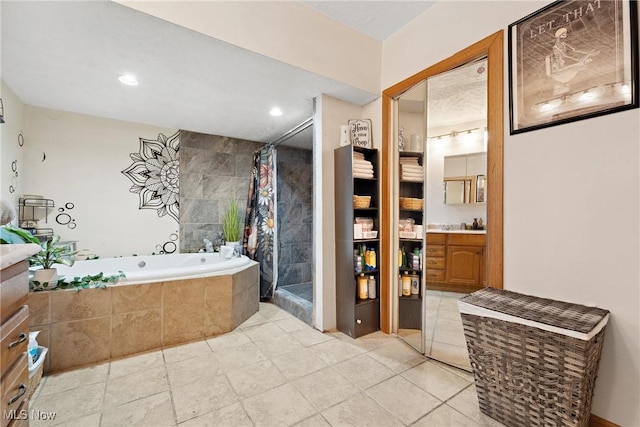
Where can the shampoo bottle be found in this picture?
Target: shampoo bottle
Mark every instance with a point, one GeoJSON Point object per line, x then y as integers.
{"type": "Point", "coordinates": [406, 284]}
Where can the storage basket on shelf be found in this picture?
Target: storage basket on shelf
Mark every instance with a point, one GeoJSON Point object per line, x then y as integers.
{"type": "Point", "coordinates": [360, 202]}
{"type": "Point", "coordinates": [535, 360]}
{"type": "Point", "coordinates": [410, 203]}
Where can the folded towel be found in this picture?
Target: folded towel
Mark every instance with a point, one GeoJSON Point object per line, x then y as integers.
{"type": "Point", "coordinates": [409, 160]}
{"type": "Point", "coordinates": [361, 162]}
{"type": "Point", "coordinates": [362, 172]}
{"type": "Point", "coordinates": [412, 179]}
{"type": "Point", "coordinates": [411, 175]}
{"type": "Point", "coordinates": [411, 168]}
{"type": "Point", "coordinates": [363, 168]}
{"type": "Point", "coordinates": [363, 175]}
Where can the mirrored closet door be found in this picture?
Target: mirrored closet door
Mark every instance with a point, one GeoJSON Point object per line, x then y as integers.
{"type": "Point", "coordinates": [441, 167]}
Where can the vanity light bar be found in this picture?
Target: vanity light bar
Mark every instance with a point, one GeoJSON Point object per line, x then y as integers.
{"type": "Point", "coordinates": [454, 133]}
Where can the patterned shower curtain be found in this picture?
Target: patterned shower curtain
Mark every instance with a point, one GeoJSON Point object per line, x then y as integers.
{"type": "Point", "coordinates": [260, 219]}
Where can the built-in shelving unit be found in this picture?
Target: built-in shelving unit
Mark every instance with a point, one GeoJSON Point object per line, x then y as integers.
{"type": "Point", "coordinates": [410, 306]}
{"type": "Point", "coordinates": [356, 316]}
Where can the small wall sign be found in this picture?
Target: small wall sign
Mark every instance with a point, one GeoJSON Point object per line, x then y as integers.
{"type": "Point", "coordinates": [360, 133]}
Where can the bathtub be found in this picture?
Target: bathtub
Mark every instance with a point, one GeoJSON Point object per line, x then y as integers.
{"type": "Point", "coordinates": [164, 300]}
{"type": "Point", "coordinates": [144, 269]}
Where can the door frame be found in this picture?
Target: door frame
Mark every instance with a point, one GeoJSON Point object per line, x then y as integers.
{"type": "Point", "coordinates": [491, 47]}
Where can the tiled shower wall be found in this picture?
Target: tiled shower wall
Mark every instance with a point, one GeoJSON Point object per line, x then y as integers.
{"type": "Point", "coordinates": [213, 170]}
{"type": "Point", "coordinates": [295, 215]}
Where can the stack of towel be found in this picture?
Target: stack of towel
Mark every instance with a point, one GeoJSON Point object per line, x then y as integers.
{"type": "Point", "coordinates": [362, 168]}
{"type": "Point", "coordinates": [411, 170]}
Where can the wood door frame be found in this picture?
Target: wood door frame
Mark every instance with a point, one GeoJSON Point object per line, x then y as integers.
{"type": "Point", "coordinates": [491, 47]}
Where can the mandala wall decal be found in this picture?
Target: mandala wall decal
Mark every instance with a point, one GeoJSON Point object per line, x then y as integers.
{"type": "Point", "coordinates": [155, 175]}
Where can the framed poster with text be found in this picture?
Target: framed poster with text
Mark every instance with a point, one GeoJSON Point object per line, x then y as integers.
{"type": "Point", "coordinates": [572, 60]}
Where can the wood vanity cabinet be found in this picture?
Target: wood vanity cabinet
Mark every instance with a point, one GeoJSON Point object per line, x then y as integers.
{"type": "Point", "coordinates": [14, 338]}
{"type": "Point", "coordinates": [14, 334]}
{"type": "Point", "coordinates": [456, 262]}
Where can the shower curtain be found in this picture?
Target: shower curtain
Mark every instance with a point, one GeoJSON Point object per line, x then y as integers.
{"type": "Point", "coordinates": [260, 219]}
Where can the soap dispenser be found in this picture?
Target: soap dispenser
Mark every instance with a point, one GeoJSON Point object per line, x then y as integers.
{"type": "Point", "coordinates": [475, 223]}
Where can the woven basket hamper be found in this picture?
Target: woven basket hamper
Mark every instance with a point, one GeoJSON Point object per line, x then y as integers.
{"type": "Point", "coordinates": [535, 360]}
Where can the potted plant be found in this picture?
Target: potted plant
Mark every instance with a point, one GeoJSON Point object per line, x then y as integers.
{"type": "Point", "coordinates": [50, 254]}
{"type": "Point", "coordinates": [16, 235]}
{"type": "Point", "coordinates": [232, 227]}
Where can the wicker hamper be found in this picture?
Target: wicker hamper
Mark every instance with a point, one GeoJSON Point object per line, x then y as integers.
{"type": "Point", "coordinates": [535, 360]}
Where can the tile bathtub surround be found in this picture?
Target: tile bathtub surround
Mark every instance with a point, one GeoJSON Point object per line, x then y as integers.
{"type": "Point", "coordinates": [96, 325]}
{"type": "Point", "coordinates": [273, 370]}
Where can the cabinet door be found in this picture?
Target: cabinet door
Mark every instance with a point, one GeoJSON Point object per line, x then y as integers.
{"type": "Point", "coordinates": [463, 264]}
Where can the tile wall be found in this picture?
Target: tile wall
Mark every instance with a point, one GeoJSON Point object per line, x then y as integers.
{"type": "Point", "coordinates": [295, 215]}
{"type": "Point", "coordinates": [213, 170]}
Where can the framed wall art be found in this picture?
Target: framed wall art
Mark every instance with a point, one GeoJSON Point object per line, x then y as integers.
{"type": "Point", "coordinates": [572, 60]}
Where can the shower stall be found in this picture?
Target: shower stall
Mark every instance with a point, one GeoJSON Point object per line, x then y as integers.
{"type": "Point", "coordinates": [280, 220]}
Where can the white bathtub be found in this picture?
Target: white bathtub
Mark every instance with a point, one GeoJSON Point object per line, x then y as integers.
{"type": "Point", "coordinates": [152, 268]}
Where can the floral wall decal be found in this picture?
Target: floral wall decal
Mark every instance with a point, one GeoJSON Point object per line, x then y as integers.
{"type": "Point", "coordinates": [155, 175]}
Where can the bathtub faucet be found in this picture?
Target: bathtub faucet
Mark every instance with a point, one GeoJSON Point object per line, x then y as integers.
{"type": "Point", "coordinates": [208, 246]}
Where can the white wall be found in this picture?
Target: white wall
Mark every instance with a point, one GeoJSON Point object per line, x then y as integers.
{"type": "Point", "coordinates": [330, 114]}
{"type": "Point", "coordinates": [288, 31]}
{"type": "Point", "coordinates": [571, 229]}
{"type": "Point", "coordinates": [10, 150]}
{"type": "Point", "coordinates": [84, 159]}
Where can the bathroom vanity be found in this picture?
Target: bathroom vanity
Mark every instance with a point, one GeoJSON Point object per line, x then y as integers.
{"type": "Point", "coordinates": [456, 261]}
{"type": "Point", "coordinates": [14, 333]}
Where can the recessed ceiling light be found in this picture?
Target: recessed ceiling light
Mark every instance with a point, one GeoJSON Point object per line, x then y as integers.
{"type": "Point", "coordinates": [275, 111]}
{"type": "Point", "coordinates": [128, 79]}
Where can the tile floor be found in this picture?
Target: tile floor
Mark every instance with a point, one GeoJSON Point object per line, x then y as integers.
{"type": "Point", "coordinates": [273, 370]}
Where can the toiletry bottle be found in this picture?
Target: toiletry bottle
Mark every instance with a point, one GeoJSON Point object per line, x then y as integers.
{"type": "Point", "coordinates": [406, 284]}
{"type": "Point", "coordinates": [371, 284]}
{"type": "Point", "coordinates": [374, 261]}
{"type": "Point", "coordinates": [363, 287]}
{"type": "Point", "coordinates": [415, 284]}
{"type": "Point", "coordinates": [475, 223]}
{"type": "Point", "coordinates": [480, 223]}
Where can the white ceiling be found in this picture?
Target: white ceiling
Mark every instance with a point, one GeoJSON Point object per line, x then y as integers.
{"type": "Point", "coordinates": [377, 19]}
{"type": "Point", "coordinates": [67, 55]}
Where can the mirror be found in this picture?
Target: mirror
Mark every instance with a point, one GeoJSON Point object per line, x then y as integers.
{"type": "Point", "coordinates": [462, 175]}
{"type": "Point", "coordinates": [480, 190]}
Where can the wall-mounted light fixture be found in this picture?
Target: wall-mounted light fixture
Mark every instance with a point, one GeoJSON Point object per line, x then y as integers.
{"type": "Point", "coordinates": [1, 111]}
{"type": "Point", "coordinates": [454, 133]}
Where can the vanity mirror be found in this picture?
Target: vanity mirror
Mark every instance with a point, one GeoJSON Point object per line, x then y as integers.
{"type": "Point", "coordinates": [464, 178]}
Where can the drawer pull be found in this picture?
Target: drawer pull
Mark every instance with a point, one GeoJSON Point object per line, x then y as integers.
{"type": "Point", "coordinates": [22, 389]}
{"type": "Point", "coordinates": [21, 338]}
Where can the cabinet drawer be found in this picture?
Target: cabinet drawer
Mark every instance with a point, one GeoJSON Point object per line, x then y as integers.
{"type": "Point", "coordinates": [435, 275]}
{"type": "Point", "coordinates": [467, 239]}
{"type": "Point", "coordinates": [436, 238]}
{"type": "Point", "coordinates": [14, 291]}
{"type": "Point", "coordinates": [22, 416]}
{"type": "Point", "coordinates": [14, 389]}
{"type": "Point", "coordinates": [434, 250]}
{"type": "Point", "coordinates": [434, 262]}
{"type": "Point", "coordinates": [14, 337]}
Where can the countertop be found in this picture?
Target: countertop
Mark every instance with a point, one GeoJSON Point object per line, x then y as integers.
{"type": "Point", "coordinates": [13, 254]}
{"type": "Point", "coordinates": [437, 230]}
